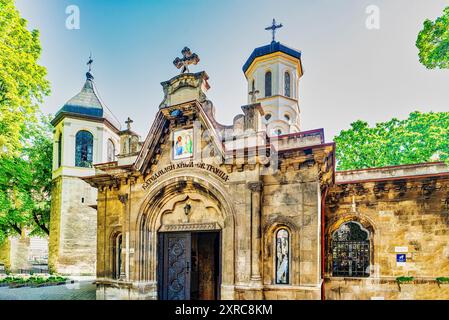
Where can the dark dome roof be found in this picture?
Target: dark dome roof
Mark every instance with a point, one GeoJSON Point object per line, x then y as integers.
{"type": "Point", "coordinates": [268, 49]}
{"type": "Point", "coordinates": [87, 103]}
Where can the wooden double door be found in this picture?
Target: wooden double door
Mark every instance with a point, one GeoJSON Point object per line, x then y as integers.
{"type": "Point", "coordinates": [189, 265]}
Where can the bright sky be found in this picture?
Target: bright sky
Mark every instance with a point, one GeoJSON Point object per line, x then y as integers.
{"type": "Point", "coordinates": [351, 72]}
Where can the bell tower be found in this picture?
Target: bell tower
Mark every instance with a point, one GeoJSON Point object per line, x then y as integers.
{"type": "Point", "coordinates": [85, 133]}
{"type": "Point", "coordinates": [273, 72]}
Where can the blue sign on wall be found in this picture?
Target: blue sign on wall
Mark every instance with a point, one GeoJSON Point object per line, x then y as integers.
{"type": "Point", "coordinates": [401, 257]}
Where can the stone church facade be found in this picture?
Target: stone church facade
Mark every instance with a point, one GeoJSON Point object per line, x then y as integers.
{"type": "Point", "coordinates": [252, 210]}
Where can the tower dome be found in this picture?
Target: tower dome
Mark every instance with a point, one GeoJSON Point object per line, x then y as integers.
{"type": "Point", "coordinates": [87, 103]}
{"type": "Point", "coordinates": [273, 72]}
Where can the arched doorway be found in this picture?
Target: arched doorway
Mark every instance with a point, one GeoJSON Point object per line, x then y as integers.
{"type": "Point", "coordinates": [189, 265]}
{"type": "Point", "coordinates": [187, 240]}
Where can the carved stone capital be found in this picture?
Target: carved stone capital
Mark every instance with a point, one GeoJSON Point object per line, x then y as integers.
{"type": "Point", "coordinates": [255, 186]}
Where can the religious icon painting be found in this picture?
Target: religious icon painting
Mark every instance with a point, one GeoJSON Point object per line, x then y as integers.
{"type": "Point", "coordinates": [282, 256]}
{"type": "Point", "coordinates": [183, 144]}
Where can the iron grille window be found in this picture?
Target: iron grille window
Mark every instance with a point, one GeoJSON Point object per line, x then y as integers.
{"type": "Point", "coordinates": [350, 251]}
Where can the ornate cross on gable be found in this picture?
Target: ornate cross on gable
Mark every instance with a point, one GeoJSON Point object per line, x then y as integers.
{"type": "Point", "coordinates": [273, 28]}
{"type": "Point", "coordinates": [253, 94]}
{"type": "Point", "coordinates": [128, 123]}
{"type": "Point", "coordinates": [187, 58]}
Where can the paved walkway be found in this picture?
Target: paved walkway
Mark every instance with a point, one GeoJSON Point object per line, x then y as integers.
{"type": "Point", "coordinates": [82, 289]}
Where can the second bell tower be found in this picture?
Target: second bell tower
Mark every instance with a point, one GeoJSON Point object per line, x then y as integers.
{"type": "Point", "coordinates": [273, 72]}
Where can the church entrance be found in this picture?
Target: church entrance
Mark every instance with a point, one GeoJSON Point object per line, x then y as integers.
{"type": "Point", "coordinates": [189, 265]}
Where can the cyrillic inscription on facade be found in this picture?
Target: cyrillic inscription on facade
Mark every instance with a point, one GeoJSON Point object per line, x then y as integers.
{"type": "Point", "coordinates": [200, 165]}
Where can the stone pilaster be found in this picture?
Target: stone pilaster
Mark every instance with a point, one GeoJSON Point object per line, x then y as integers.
{"type": "Point", "coordinates": [124, 267]}
{"type": "Point", "coordinates": [256, 191]}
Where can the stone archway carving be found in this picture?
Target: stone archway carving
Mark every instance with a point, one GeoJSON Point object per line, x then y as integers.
{"type": "Point", "coordinates": [367, 224]}
{"type": "Point", "coordinates": [160, 212]}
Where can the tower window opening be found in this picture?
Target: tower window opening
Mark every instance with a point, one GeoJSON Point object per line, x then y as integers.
{"type": "Point", "coordinates": [84, 149]}
{"type": "Point", "coordinates": [268, 84]}
{"type": "Point", "coordinates": [59, 150]}
{"type": "Point", "coordinates": [287, 84]}
{"type": "Point", "coordinates": [111, 151]}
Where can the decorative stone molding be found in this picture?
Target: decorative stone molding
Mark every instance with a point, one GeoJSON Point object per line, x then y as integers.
{"type": "Point", "coordinates": [185, 87]}
{"type": "Point", "coordinates": [190, 227]}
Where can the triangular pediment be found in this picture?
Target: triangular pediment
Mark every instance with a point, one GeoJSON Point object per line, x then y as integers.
{"type": "Point", "coordinates": [180, 133]}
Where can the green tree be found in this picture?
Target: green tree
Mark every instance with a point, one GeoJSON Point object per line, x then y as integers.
{"type": "Point", "coordinates": [25, 137]}
{"type": "Point", "coordinates": [25, 184]}
{"type": "Point", "coordinates": [433, 42]}
{"type": "Point", "coordinates": [422, 137]}
{"type": "Point", "coordinates": [22, 80]}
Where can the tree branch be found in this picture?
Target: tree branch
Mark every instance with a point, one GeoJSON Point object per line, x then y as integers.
{"type": "Point", "coordinates": [16, 228]}
{"type": "Point", "coordinates": [40, 224]}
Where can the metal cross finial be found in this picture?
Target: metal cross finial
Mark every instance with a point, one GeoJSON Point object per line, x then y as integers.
{"type": "Point", "coordinates": [273, 28]}
{"type": "Point", "coordinates": [253, 94]}
{"type": "Point", "coordinates": [187, 58]}
{"type": "Point", "coordinates": [89, 63]}
{"type": "Point", "coordinates": [128, 123]}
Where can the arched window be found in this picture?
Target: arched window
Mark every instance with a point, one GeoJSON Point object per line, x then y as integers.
{"type": "Point", "coordinates": [111, 151]}
{"type": "Point", "coordinates": [287, 84]}
{"type": "Point", "coordinates": [117, 256]}
{"type": "Point", "coordinates": [84, 149]}
{"type": "Point", "coordinates": [351, 251]}
{"type": "Point", "coordinates": [268, 84]}
{"type": "Point", "coordinates": [268, 116]}
{"type": "Point", "coordinates": [59, 154]}
{"type": "Point", "coordinates": [278, 132]}
{"type": "Point", "coordinates": [282, 256]}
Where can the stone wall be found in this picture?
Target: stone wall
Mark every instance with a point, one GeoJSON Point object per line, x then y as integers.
{"type": "Point", "coordinates": [73, 227]}
{"type": "Point", "coordinates": [55, 222]}
{"type": "Point", "coordinates": [19, 250]}
{"type": "Point", "coordinates": [292, 200]}
{"type": "Point", "coordinates": [5, 255]}
{"type": "Point", "coordinates": [407, 215]}
{"type": "Point", "coordinates": [384, 288]}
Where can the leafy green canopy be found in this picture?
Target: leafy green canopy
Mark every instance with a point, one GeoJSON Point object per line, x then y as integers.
{"type": "Point", "coordinates": [22, 79]}
{"type": "Point", "coordinates": [422, 137]}
{"type": "Point", "coordinates": [25, 184]}
{"type": "Point", "coordinates": [25, 140]}
{"type": "Point", "coordinates": [433, 42]}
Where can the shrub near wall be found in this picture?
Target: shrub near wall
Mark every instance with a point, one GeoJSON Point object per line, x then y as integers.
{"type": "Point", "coordinates": [17, 281]}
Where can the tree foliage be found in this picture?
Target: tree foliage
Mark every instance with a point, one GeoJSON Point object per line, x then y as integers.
{"type": "Point", "coordinates": [422, 137]}
{"type": "Point", "coordinates": [25, 184]}
{"type": "Point", "coordinates": [22, 79]}
{"type": "Point", "coordinates": [25, 136]}
{"type": "Point", "coordinates": [433, 42]}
